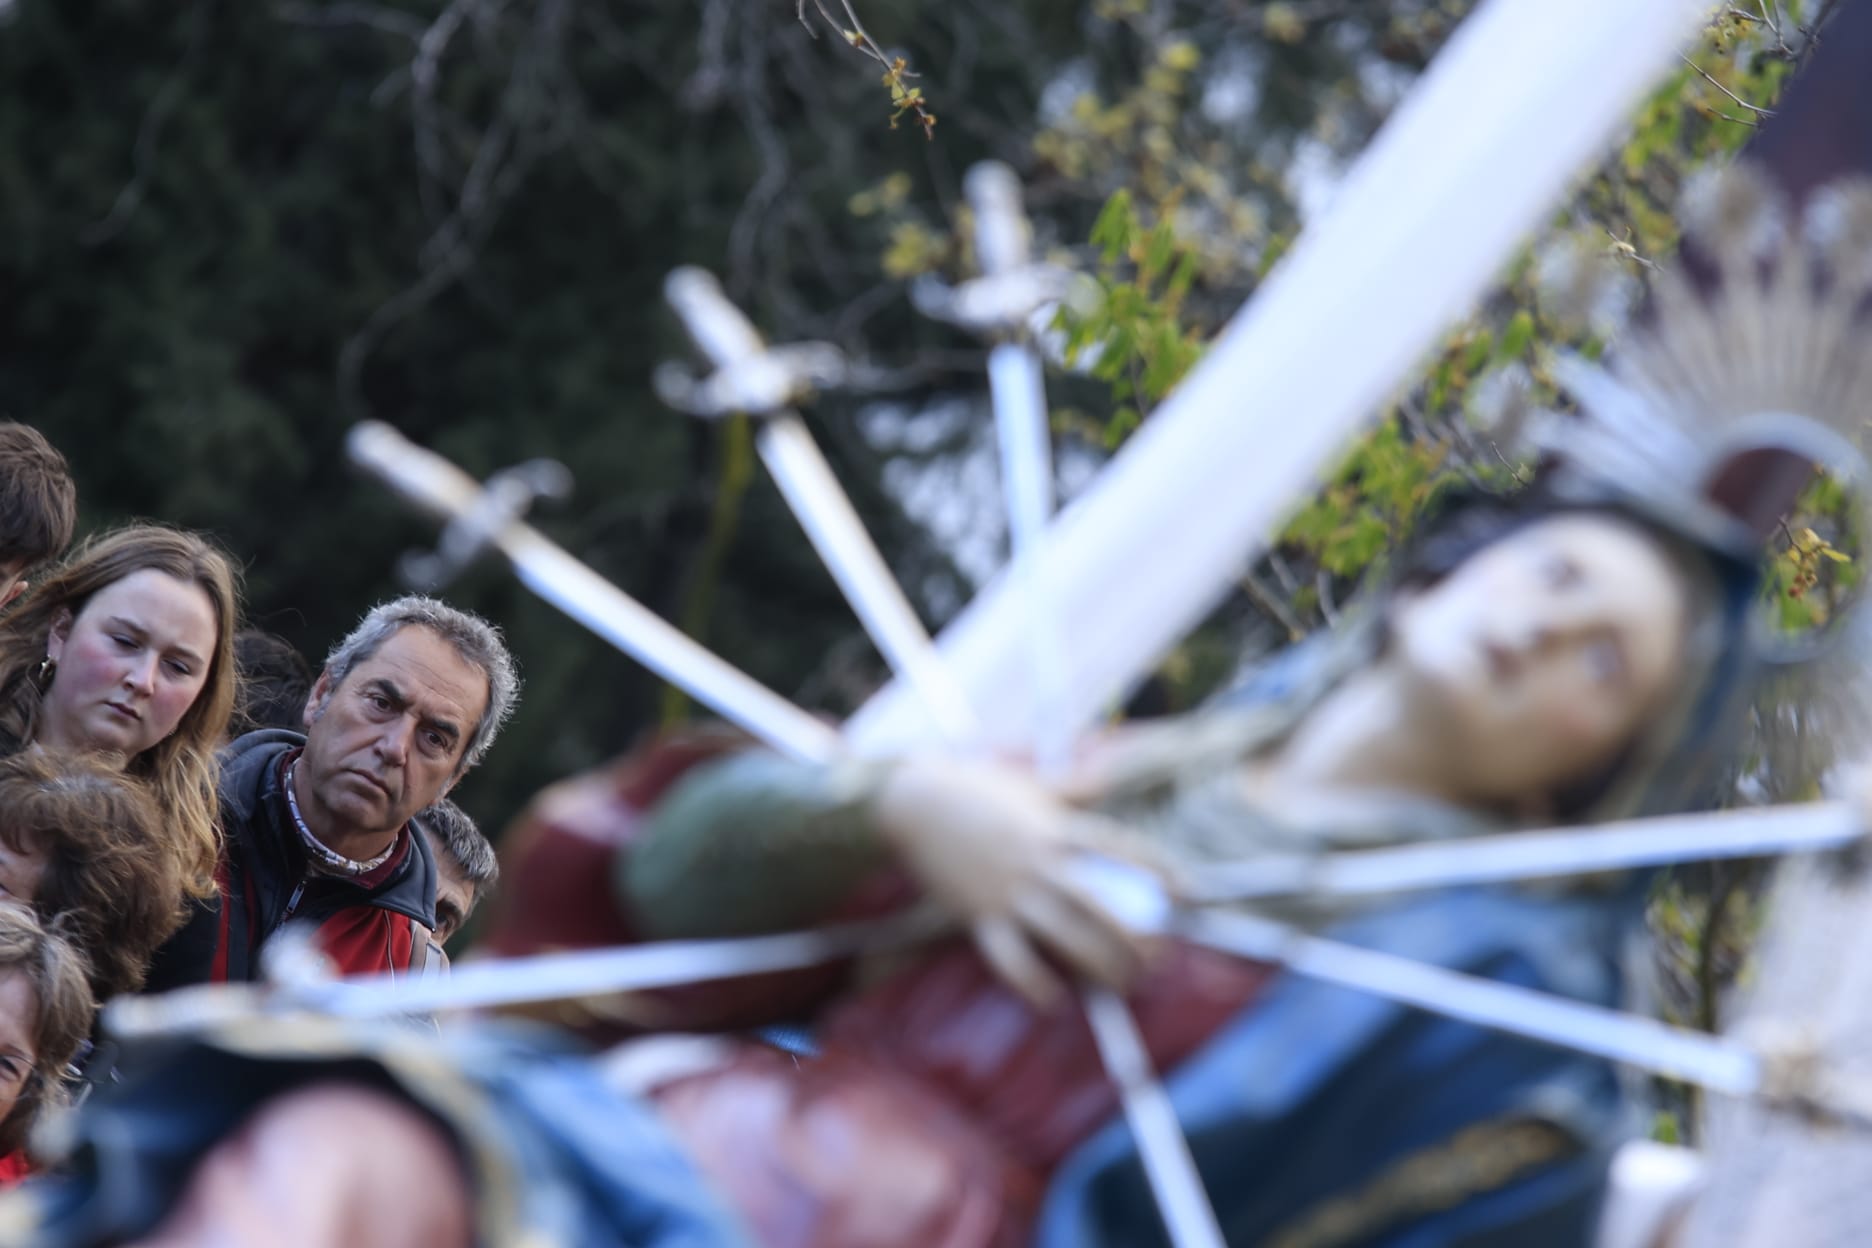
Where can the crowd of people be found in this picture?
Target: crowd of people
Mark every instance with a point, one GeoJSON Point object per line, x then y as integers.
{"type": "Point", "coordinates": [174, 789]}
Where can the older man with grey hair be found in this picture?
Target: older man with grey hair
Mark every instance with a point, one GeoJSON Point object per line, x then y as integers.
{"type": "Point", "coordinates": [317, 827]}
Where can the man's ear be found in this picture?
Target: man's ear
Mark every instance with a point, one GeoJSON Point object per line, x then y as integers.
{"type": "Point", "coordinates": [315, 700]}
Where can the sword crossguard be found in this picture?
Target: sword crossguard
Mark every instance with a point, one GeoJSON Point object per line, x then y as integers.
{"type": "Point", "coordinates": [505, 498]}
{"type": "Point", "coordinates": [1012, 286]}
{"type": "Point", "coordinates": [749, 375]}
{"type": "Point", "coordinates": [995, 304]}
{"type": "Point", "coordinates": [1799, 1077]}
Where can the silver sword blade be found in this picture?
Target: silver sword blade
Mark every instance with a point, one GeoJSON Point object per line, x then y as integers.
{"type": "Point", "coordinates": [734, 347]}
{"type": "Point", "coordinates": [1625, 845]}
{"type": "Point", "coordinates": [838, 534]}
{"type": "Point", "coordinates": [1181, 1201]}
{"type": "Point", "coordinates": [1710, 1062]}
{"type": "Point", "coordinates": [1016, 384]}
{"type": "Point", "coordinates": [1019, 392]}
{"type": "Point", "coordinates": [1024, 440]}
{"type": "Point", "coordinates": [439, 487]}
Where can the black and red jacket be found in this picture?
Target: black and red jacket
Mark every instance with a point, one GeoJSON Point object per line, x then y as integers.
{"type": "Point", "coordinates": [381, 922]}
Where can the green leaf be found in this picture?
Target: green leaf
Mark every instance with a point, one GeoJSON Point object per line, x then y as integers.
{"type": "Point", "coordinates": [1116, 226]}
{"type": "Point", "coordinates": [1181, 279]}
{"type": "Point", "coordinates": [1157, 254]}
{"type": "Point", "coordinates": [1516, 338]}
{"type": "Point", "coordinates": [1477, 352]}
{"type": "Point", "coordinates": [1123, 422]}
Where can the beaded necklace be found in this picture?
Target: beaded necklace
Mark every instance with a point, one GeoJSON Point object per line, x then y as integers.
{"type": "Point", "coordinates": [323, 856]}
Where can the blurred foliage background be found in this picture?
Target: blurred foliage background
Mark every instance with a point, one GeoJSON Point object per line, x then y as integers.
{"type": "Point", "coordinates": [231, 228]}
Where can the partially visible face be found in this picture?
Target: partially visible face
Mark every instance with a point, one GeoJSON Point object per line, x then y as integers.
{"type": "Point", "coordinates": [20, 872]}
{"type": "Point", "coordinates": [1546, 651]}
{"type": "Point", "coordinates": [387, 741]}
{"type": "Point", "coordinates": [12, 580]}
{"type": "Point", "coordinates": [129, 665]}
{"type": "Point", "coordinates": [19, 1018]}
{"type": "Point", "coordinates": [455, 896]}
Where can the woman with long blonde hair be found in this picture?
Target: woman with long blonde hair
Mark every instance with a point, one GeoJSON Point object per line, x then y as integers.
{"type": "Point", "coordinates": [127, 650]}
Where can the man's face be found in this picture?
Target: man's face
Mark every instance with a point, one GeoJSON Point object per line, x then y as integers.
{"type": "Point", "coordinates": [388, 741]}
{"type": "Point", "coordinates": [455, 896]}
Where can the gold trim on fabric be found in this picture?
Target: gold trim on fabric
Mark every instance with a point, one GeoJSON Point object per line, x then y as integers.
{"type": "Point", "coordinates": [1479, 1159]}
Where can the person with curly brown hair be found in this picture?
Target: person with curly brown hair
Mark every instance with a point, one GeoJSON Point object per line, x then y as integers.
{"type": "Point", "coordinates": [82, 843]}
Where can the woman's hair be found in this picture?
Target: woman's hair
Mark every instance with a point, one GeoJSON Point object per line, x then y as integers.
{"type": "Point", "coordinates": [108, 880]}
{"type": "Point", "coordinates": [180, 768]}
{"type": "Point", "coordinates": [56, 970]}
{"type": "Point", "coordinates": [275, 681]}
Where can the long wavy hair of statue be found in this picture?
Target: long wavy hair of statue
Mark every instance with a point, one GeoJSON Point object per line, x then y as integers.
{"type": "Point", "coordinates": [181, 769]}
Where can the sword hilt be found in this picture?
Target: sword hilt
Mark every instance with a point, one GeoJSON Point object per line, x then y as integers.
{"type": "Point", "coordinates": [749, 375]}
{"type": "Point", "coordinates": [474, 515]}
{"type": "Point", "coordinates": [1012, 286]}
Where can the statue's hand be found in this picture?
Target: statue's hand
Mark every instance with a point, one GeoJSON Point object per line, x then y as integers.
{"type": "Point", "coordinates": [994, 847]}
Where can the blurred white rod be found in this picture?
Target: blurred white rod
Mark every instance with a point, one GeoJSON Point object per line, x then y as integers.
{"type": "Point", "coordinates": [520, 981]}
{"type": "Point", "coordinates": [1473, 159]}
{"type": "Point", "coordinates": [1019, 393]}
{"type": "Point", "coordinates": [1716, 1064]}
{"type": "Point", "coordinates": [1807, 827]}
{"type": "Point", "coordinates": [1015, 381]}
{"type": "Point", "coordinates": [1181, 1201]}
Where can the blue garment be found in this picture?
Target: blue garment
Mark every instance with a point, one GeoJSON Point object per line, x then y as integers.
{"type": "Point", "coordinates": [561, 1158]}
{"type": "Point", "coordinates": [794, 1038]}
{"type": "Point", "coordinates": [1315, 1092]}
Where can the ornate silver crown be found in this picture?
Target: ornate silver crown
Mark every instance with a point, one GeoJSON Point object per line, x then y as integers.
{"type": "Point", "coordinates": [1751, 366]}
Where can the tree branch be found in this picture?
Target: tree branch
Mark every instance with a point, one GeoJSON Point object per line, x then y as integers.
{"type": "Point", "coordinates": [143, 155]}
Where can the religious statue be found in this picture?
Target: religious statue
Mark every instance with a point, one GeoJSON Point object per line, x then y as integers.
{"type": "Point", "coordinates": [1581, 651]}
{"type": "Point", "coordinates": [1550, 658]}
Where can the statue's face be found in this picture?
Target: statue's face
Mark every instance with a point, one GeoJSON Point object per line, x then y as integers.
{"type": "Point", "coordinates": [1544, 652]}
